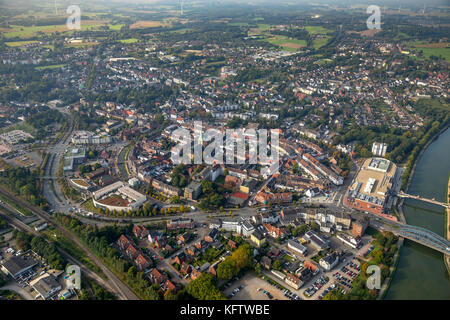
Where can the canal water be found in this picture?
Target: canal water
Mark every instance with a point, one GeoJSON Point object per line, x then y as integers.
{"type": "Point", "coordinates": [421, 272]}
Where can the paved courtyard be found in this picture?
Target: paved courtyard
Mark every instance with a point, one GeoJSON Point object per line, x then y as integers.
{"type": "Point", "coordinates": [250, 291]}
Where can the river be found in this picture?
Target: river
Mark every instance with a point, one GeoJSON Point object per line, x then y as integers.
{"type": "Point", "coordinates": [421, 272]}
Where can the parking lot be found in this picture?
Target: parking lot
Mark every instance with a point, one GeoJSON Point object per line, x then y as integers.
{"type": "Point", "coordinates": [249, 285]}
{"type": "Point", "coordinates": [346, 274]}
{"type": "Point", "coordinates": [316, 286]}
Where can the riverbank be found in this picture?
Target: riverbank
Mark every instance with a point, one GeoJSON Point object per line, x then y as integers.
{"type": "Point", "coordinates": [447, 224]}
{"type": "Point", "coordinates": [416, 262]}
{"type": "Point", "coordinates": [425, 147]}
{"type": "Point", "coordinates": [402, 218]}
{"type": "Point", "coordinates": [385, 287]}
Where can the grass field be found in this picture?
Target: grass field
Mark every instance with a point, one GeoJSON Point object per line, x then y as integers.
{"type": "Point", "coordinates": [431, 49]}
{"type": "Point", "coordinates": [81, 44]}
{"type": "Point", "coordinates": [317, 43]}
{"type": "Point", "coordinates": [19, 209]}
{"type": "Point", "coordinates": [286, 43]}
{"type": "Point", "coordinates": [115, 27]}
{"type": "Point", "coordinates": [322, 62]}
{"type": "Point", "coordinates": [131, 40]}
{"type": "Point", "coordinates": [238, 24]}
{"type": "Point", "coordinates": [149, 24]}
{"type": "Point", "coordinates": [260, 29]}
{"type": "Point", "coordinates": [27, 32]}
{"type": "Point", "coordinates": [53, 66]}
{"type": "Point", "coordinates": [19, 126]}
{"type": "Point", "coordinates": [182, 30]}
{"type": "Point", "coordinates": [19, 43]}
{"type": "Point", "coordinates": [318, 30]}
{"type": "Point", "coordinates": [313, 30]}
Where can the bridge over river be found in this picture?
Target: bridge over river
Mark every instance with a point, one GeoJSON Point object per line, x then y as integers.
{"type": "Point", "coordinates": [417, 234]}
{"type": "Point", "coordinates": [433, 201]}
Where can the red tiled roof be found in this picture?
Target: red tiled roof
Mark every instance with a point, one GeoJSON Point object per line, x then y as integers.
{"type": "Point", "coordinates": [240, 195]}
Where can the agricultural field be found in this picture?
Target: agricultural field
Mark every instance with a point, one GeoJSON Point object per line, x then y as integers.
{"type": "Point", "coordinates": [319, 34]}
{"type": "Point", "coordinates": [431, 49]}
{"type": "Point", "coordinates": [286, 43]}
{"type": "Point", "coordinates": [19, 43]}
{"type": "Point", "coordinates": [261, 29]}
{"type": "Point", "coordinates": [131, 40]}
{"type": "Point", "coordinates": [318, 43]}
{"type": "Point", "coordinates": [149, 24]}
{"type": "Point", "coordinates": [25, 32]}
{"type": "Point", "coordinates": [54, 66]}
{"type": "Point", "coordinates": [313, 30]}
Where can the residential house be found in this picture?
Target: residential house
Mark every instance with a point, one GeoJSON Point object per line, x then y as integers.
{"type": "Point", "coordinates": [293, 281]}
{"type": "Point", "coordinates": [274, 231]}
{"type": "Point", "coordinates": [266, 262]}
{"type": "Point", "coordinates": [123, 242]}
{"type": "Point", "coordinates": [212, 235]}
{"type": "Point", "coordinates": [257, 238]}
{"type": "Point", "coordinates": [132, 252]}
{"type": "Point", "coordinates": [142, 262]}
{"type": "Point", "coordinates": [140, 231]}
{"type": "Point", "coordinates": [329, 261]}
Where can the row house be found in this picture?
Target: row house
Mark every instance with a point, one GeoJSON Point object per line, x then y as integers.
{"type": "Point", "coordinates": [140, 231]}
{"type": "Point", "coordinates": [274, 231]}
{"type": "Point", "coordinates": [142, 262]}
{"type": "Point", "coordinates": [156, 276]}
{"type": "Point", "coordinates": [265, 198]}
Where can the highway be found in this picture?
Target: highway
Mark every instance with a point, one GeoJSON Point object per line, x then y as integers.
{"type": "Point", "coordinates": [57, 201]}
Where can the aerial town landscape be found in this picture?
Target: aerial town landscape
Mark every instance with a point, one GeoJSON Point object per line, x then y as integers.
{"type": "Point", "coordinates": [99, 101]}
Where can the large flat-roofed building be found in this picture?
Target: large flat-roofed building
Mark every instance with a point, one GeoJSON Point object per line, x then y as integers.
{"type": "Point", "coordinates": [118, 196]}
{"type": "Point", "coordinates": [370, 189]}
{"type": "Point", "coordinates": [87, 137]}
{"type": "Point", "coordinates": [108, 189]}
{"type": "Point", "coordinates": [193, 190]}
{"type": "Point", "coordinates": [297, 247]}
{"type": "Point", "coordinates": [16, 266]}
{"type": "Point", "coordinates": [73, 157]}
{"type": "Point", "coordinates": [316, 240]}
{"type": "Point", "coordinates": [46, 286]}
